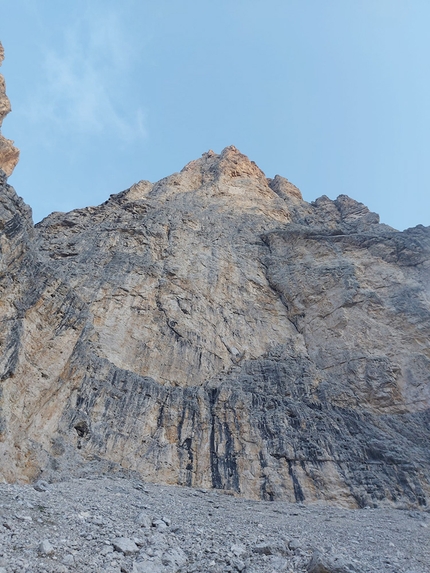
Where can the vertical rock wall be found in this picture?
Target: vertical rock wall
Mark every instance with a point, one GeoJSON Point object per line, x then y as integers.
{"type": "Point", "coordinates": [9, 154]}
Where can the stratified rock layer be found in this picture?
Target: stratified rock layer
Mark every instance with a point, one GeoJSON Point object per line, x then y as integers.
{"type": "Point", "coordinates": [9, 154]}
{"type": "Point", "coordinates": [216, 330]}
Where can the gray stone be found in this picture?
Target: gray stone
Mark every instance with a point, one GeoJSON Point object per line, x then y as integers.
{"type": "Point", "coordinates": [125, 545]}
{"type": "Point", "coordinates": [41, 486]}
{"type": "Point", "coordinates": [294, 544]}
{"type": "Point", "coordinates": [238, 550]}
{"type": "Point", "coordinates": [279, 564]}
{"type": "Point", "coordinates": [45, 548]}
{"type": "Point", "coordinates": [148, 566]}
{"type": "Point", "coordinates": [159, 524]}
{"type": "Point", "coordinates": [106, 550]}
{"type": "Point", "coordinates": [265, 549]}
{"type": "Point", "coordinates": [238, 564]}
{"type": "Point", "coordinates": [98, 520]}
{"type": "Point", "coordinates": [174, 558]}
{"type": "Point", "coordinates": [144, 520]}
{"type": "Point", "coordinates": [321, 563]}
{"type": "Point", "coordinates": [68, 559]}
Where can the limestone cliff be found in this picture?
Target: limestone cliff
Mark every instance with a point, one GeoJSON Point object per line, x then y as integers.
{"type": "Point", "coordinates": [9, 154]}
{"type": "Point", "coordinates": [214, 329]}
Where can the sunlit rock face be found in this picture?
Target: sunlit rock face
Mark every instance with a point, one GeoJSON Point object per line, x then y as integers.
{"type": "Point", "coordinates": [215, 330]}
{"type": "Point", "coordinates": [9, 154]}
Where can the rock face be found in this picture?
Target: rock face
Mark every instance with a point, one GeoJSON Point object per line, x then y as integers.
{"type": "Point", "coordinates": [215, 330]}
{"type": "Point", "coordinates": [9, 154]}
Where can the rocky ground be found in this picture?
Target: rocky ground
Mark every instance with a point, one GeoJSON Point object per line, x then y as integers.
{"type": "Point", "coordinates": [113, 524]}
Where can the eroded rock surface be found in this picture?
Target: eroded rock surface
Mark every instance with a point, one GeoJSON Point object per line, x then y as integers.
{"type": "Point", "coordinates": [215, 330]}
{"type": "Point", "coordinates": [9, 154]}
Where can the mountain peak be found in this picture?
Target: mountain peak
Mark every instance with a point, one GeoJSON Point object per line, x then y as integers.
{"type": "Point", "coordinates": [227, 165]}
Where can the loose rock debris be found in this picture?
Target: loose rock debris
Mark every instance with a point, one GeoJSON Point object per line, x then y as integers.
{"type": "Point", "coordinates": [115, 525]}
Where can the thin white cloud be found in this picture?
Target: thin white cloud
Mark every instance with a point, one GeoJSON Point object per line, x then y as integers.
{"type": "Point", "coordinates": [85, 81]}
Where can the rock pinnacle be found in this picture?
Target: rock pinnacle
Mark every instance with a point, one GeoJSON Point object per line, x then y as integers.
{"type": "Point", "coordinates": [9, 155]}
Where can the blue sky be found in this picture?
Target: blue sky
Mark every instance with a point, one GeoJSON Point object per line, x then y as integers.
{"type": "Point", "coordinates": [332, 94]}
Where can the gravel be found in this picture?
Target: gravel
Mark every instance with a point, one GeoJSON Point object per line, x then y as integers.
{"type": "Point", "coordinates": [116, 525]}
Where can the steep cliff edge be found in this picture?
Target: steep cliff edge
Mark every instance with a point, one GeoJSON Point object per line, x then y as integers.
{"type": "Point", "coordinates": [9, 154]}
{"type": "Point", "coordinates": [214, 329]}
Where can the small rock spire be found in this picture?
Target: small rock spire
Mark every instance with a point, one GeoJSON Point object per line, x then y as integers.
{"type": "Point", "coordinates": [9, 154]}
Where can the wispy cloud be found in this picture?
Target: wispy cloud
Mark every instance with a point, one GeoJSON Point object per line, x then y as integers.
{"type": "Point", "coordinates": [85, 81]}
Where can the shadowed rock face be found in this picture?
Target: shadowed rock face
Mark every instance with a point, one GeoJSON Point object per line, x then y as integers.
{"type": "Point", "coordinates": [216, 330]}
{"type": "Point", "coordinates": [9, 154]}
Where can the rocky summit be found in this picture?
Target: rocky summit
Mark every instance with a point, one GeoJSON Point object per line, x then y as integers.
{"type": "Point", "coordinates": [215, 330]}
